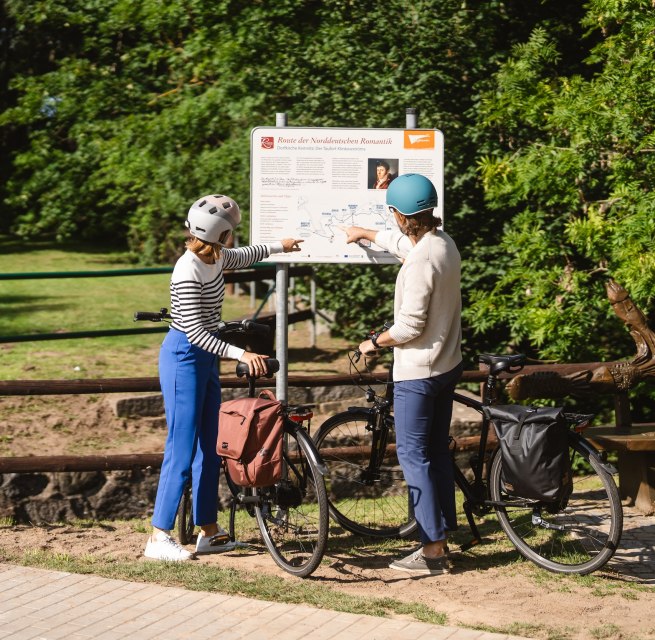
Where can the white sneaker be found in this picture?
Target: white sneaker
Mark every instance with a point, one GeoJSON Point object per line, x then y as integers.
{"type": "Point", "coordinates": [217, 543]}
{"type": "Point", "coordinates": [163, 547]}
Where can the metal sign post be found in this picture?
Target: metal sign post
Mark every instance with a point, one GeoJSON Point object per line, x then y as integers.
{"type": "Point", "coordinates": [282, 312]}
{"type": "Point", "coordinates": [411, 118]}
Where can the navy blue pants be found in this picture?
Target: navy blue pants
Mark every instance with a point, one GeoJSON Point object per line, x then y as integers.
{"type": "Point", "coordinates": [192, 397]}
{"type": "Point", "coordinates": [423, 409]}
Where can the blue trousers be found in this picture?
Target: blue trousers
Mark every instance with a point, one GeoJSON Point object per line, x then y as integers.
{"type": "Point", "coordinates": [192, 397]}
{"type": "Point", "coordinates": [423, 409]}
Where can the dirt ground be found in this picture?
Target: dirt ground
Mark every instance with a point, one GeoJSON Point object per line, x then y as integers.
{"type": "Point", "coordinates": [74, 425]}
{"type": "Point", "coordinates": [509, 597]}
{"type": "Point", "coordinates": [498, 593]}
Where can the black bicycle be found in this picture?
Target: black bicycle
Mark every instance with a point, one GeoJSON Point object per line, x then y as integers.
{"type": "Point", "coordinates": [368, 495]}
{"type": "Point", "coordinates": [292, 515]}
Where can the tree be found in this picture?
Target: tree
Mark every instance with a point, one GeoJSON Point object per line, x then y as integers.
{"type": "Point", "coordinates": [127, 111]}
{"type": "Point", "coordinates": [574, 160]}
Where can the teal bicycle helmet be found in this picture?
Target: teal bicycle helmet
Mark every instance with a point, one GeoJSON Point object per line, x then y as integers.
{"type": "Point", "coordinates": [411, 193]}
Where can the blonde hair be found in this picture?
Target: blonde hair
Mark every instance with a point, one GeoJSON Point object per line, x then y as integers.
{"type": "Point", "coordinates": [202, 248]}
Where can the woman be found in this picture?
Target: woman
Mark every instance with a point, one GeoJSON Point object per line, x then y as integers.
{"type": "Point", "coordinates": [189, 374]}
{"type": "Point", "coordinates": [426, 336]}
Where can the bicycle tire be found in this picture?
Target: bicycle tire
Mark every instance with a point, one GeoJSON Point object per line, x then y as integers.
{"type": "Point", "coordinates": [366, 502]}
{"type": "Point", "coordinates": [184, 520]}
{"type": "Point", "coordinates": [590, 525]}
{"type": "Point", "coordinates": [293, 514]}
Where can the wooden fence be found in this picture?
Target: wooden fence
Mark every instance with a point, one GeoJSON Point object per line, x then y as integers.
{"type": "Point", "coordinates": [34, 464]}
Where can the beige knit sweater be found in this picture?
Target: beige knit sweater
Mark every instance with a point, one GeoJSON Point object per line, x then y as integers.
{"type": "Point", "coordinates": [427, 304]}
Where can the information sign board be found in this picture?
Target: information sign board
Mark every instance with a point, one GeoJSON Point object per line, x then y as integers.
{"type": "Point", "coordinates": [309, 183]}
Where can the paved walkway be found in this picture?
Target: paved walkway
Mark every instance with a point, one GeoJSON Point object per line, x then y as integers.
{"type": "Point", "coordinates": [44, 605]}
{"type": "Point", "coordinates": [635, 557]}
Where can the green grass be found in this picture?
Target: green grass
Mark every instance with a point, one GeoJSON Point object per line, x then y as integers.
{"type": "Point", "coordinates": [213, 579]}
{"type": "Point", "coordinates": [80, 304]}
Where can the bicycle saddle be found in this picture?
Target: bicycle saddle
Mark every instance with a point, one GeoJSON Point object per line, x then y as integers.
{"type": "Point", "coordinates": [272, 366]}
{"type": "Point", "coordinates": [499, 364]}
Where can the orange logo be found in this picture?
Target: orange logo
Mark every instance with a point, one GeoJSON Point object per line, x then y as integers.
{"type": "Point", "coordinates": [268, 142]}
{"type": "Point", "coordinates": [419, 139]}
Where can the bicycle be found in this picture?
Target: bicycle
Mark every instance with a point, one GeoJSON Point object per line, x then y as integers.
{"type": "Point", "coordinates": [292, 515]}
{"type": "Point", "coordinates": [368, 496]}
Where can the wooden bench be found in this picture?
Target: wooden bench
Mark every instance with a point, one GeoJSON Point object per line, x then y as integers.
{"type": "Point", "coordinates": [636, 463]}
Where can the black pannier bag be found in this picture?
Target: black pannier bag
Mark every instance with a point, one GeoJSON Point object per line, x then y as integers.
{"type": "Point", "coordinates": [535, 451]}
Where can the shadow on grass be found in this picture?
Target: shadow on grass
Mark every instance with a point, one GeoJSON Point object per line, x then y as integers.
{"type": "Point", "coordinates": [355, 556]}
{"type": "Point", "coordinates": [12, 244]}
{"type": "Point", "coordinates": [17, 306]}
{"type": "Point", "coordinates": [315, 354]}
{"type": "Point", "coordinates": [320, 361]}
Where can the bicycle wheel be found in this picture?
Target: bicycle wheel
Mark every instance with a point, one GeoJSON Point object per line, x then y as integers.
{"type": "Point", "coordinates": [293, 514]}
{"type": "Point", "coordinates": [365, 497]}
{"type": "Point", "coordinates": [581, 537]}
{"type": "Point", "coordinates": [184, 520]}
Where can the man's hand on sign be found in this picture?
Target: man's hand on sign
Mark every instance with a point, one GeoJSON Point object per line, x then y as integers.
{"type": "Point", "coordinates": [359, 234]}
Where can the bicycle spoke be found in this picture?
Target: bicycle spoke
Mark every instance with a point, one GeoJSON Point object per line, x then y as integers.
{"type": "Point", "coordinates": [578, 538]}
{"type": "Point", "coordinates": [367, 501]}
{"type": "Point", "coordinates": [293, 516]}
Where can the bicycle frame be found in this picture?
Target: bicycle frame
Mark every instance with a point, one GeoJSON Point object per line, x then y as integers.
{"type": "Point", "coordinates": [476, 492]}
{"type": "Point", "coordinates": [578, 534]}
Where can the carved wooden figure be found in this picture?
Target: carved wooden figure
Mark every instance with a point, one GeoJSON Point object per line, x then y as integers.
{"type": "Point", "coordinates": [612, 377]}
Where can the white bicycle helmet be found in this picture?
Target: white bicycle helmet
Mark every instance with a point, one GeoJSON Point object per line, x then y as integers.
{"type": "Point", "coordinates": [211, 216]}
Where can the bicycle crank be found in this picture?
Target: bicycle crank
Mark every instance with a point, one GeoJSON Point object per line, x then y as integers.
{"type": "Point", "coordinates": [538, 521]}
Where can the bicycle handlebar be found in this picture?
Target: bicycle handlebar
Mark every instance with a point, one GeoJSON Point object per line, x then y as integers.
{"type": "Point", "coordinates": [232, 326]}
{"type": "Point", "coordinates": [244, 326]}
{"type": "Point", "coordinates": [357, 354]}
{"type": "Point", "coordinates": [272, 366]}
{"type": "Point", "coordinates": [153, 316]}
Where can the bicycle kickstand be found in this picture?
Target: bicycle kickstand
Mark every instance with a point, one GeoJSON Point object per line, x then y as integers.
{"type": "Point", "coordinates": [477, 538]}
{"type": "Point", "coordinates": [233, 511]}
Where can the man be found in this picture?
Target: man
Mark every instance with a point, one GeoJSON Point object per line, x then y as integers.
{"type": "Point", "coordinates": [426, 336]}
{"type": "Point", "coordinates": [383, 176]}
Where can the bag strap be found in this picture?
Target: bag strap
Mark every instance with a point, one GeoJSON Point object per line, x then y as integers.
{"type": "Point", "coordinates": [267, 393]}
{"type": "Point", "coordinates": [521, 422]}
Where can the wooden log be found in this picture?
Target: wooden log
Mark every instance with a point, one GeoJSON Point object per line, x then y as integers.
{"type": "Point", "coordinates": [44, 464]}
{"type": "Point", "coordinates": [463, 443]}
{"type": "Point", "coordinates": [129, 385]}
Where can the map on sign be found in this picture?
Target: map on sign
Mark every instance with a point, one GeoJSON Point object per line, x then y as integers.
{"type": "Point", "coordinates": [314, 183]}
{"type": "Point", "coordinates": [322, 227]}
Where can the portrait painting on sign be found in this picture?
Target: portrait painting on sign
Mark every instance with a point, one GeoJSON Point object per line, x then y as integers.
{"type": "Point", "coordinates": [381, 171]}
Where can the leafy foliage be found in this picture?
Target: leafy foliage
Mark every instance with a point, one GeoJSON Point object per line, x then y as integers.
{"type": "Point", "coordinates": [574, 161]}
{"type": "Point", "coordinates": [119, 114]}
{"type": "Point", "coordinates": [115, 115]}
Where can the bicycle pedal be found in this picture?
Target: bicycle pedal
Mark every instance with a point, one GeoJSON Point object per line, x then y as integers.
{"type": "Point", "coordinates": [468, 545]}
{"type": "Point", "coordinates": [219, 539]}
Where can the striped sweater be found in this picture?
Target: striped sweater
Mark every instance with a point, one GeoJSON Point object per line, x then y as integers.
{"type": "Point", "coordinates": [198, 290]}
